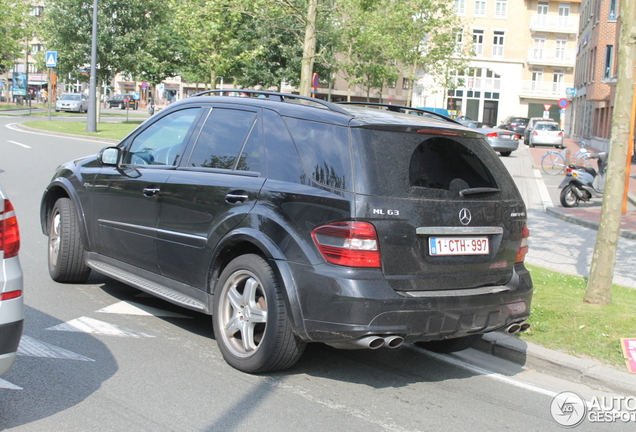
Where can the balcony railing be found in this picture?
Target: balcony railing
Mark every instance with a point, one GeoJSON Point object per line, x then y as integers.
{"type": "Point", "coordinates": [543, 89]}
{"type": "Point", "coordinates": [553, 57]}
{"type": "Point", "coordinates": [554, 23]}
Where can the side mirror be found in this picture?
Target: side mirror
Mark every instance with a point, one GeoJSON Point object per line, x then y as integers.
{"type": "Point", "coordinates": [110, 156]}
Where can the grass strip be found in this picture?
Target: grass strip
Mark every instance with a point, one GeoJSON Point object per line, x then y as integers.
{"type": "Point", "coordinates": [562, 321]}
{"type": "Point", "coordinates": [104, 130]}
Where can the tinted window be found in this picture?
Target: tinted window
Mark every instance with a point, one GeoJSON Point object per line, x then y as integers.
{"type": "Point", "coordinates": [324, 150]}
{"type": "Point", "coordinates": [225, 135]}
{"type": "Point", "coordinates": [282, 158]}
{"type": "Point", "coordinates": [402, 164]}
{"type": "Point", "coordinates": [161, 142]}
{"type": "Point", "coordinates": [548, 127]}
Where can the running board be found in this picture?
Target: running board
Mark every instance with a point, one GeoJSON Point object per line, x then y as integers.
{"type": "Point", "coordinates": [147, 286]}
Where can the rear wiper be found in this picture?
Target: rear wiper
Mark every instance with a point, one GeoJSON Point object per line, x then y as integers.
{"type": "Point", "coordinates": [479, 190]}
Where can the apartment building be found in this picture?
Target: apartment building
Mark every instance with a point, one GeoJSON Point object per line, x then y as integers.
{"type": "Point", "coordinates": [596, 68]}
{"type": "Point", "coordinates": [523, 59]}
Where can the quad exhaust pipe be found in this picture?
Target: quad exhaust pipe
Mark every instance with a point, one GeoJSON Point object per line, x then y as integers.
{"type": "Point", "coordinates": [371, 342]}
{"type": "Point", "coordinates": [519, 327]}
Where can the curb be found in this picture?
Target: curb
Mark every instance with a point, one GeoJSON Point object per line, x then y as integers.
{"type": "Point", "coordinates": [585, 222]}
{"type": "Point", "coordinates": [584, 371]}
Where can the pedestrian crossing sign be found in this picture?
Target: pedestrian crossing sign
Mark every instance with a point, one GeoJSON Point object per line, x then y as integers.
{"type": "Point", "coordinates": [51, 59]}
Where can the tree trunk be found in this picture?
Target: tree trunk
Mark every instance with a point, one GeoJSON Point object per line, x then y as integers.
{"type": "Point", "coordinates": [599, 285]}
{"type": "Point", "coordinates": [309, 49]}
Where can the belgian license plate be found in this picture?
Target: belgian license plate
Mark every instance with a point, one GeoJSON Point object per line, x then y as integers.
{"type": "Point", "coordinates": [459, 246]}
{"type": "Point", "coordinates": [506, 137]}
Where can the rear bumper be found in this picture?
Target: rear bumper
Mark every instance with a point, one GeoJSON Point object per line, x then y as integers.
{"type": "Point", "coordinates": [10, 335]}
{"type": "Point", "coordinates": [339, 304]}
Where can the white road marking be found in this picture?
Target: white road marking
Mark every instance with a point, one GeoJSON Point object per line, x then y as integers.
{"type": "Point", "coordinates": [32, 347]}
{"type": "Point", "coordinates": [19, 144]}
{"type": "Point", "coordinates": [543, 190]}
{"type": "Point", "coordinates": [481, 371]}
{"type": "Point", "coordinates": [7, 385]}
{"type": "Point", "coordinates": [132, 308]}
{"type": "Point", "coordinates": [93, 326]}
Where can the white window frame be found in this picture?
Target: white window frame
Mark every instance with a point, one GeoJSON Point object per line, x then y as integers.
{"type": "Point", "coordinates": [460, 7]}
{"type": "Point", "coordinates": [498, 42]}
{"type": "Point", "coordinates": [480, 8]}
{"type": "Point", "coordinates": [501, 9]}
{"type": "Point", "coordinates": [478, 42]}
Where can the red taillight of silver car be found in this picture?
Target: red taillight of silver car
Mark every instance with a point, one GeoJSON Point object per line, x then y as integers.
{"type": "Point", "coordinates": [9, 232]}
{"type": "Point", "coordinates": [351, 244]}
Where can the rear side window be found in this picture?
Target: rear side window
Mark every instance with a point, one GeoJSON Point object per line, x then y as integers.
{"type": "Point", "coordinates": [228, 140]}
{"type": "Point", "coordinates": [412, 165]}
{"type": "Point", "coordinates": [325, 152]}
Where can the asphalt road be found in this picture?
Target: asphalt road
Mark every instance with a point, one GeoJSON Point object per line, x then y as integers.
{"type": "Point", "coordinates": [105, 357]}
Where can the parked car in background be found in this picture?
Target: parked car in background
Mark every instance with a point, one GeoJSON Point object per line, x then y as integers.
{"type": "Point", "coordinates": [122, 101]}
{"type": "Point", "coordinates": [531, 122]}
{"type": "Point", "coordinates": [546, 133]}
{"type": "Point", "coordinates": [11, 295]}
{"type": "Point", "coordinates": [515, 124]}
{"type": "Point", "coordinates": [293, 220]}
{"type": "Point", "coordinates": [74, 102]}
{"type": "Point", "coordinates": [442, 111]}
{"type": "Point", "coordinates": [501, 140]}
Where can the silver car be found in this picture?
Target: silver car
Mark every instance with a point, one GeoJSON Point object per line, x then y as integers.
{"type": "Point", "coordinates": [546, 133]}
{"type": "Point", "coordinates": [501, 140]}
{"type": "Point", "coordinates": [11, 295]}
{"type": "Point", "coordinates": [76, 102]}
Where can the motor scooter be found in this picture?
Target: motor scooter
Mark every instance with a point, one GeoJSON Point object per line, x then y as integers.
{"type": "Point", "coordinates": [579, 182]}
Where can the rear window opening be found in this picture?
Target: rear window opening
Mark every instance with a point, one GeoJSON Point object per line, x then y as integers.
{"type": "Point", "coordinates": [412, 165]}
{"type": "Point", "coordinates": [441, 163]}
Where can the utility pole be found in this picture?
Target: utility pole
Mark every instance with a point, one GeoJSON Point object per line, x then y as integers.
{"type": "Point", "coordinates": [91, 115]}
{"type": "Point", "coordinates": [599, 285]}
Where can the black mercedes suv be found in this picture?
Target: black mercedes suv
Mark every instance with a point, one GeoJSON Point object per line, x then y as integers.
{"type": "Point", "coordinates": [292, 220]}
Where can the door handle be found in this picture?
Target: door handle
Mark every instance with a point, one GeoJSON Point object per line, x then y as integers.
{"type": "Point", "coordinates": [236, 197]}
{"type": "Point", "coordinates": [151, 191]}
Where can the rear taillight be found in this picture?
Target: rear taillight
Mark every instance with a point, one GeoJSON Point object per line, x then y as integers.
{"type": "Point", "coordinates": [351, 244]}
{"type": "Point", "coordinates": [560, 133]}
{"type": "Point", "coordinates": [10, 295]}
{"type": "Point", "coordinates": [535, 133]}
{"type": "Point", "coordinates": [492, 135]}
{"type": "Point", "coordinates": [9, 232]}
{"type": "Point", "coordinates": [523, 247]}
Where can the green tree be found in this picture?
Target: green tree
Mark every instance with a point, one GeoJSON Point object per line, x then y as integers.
{"type": "Point", "coordinates": [132, 36]}
{"type": "Point", "coordinates": [16, 28]}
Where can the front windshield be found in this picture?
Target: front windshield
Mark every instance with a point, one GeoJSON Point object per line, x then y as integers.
{"type": "Point", "coordinates": [70, 97]}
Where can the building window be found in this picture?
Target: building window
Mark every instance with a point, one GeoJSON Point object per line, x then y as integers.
{"type": "Point", "coordinates": [609, 58]}
{"type": "Point", "coordinates": [561, 45]}
{"type": "Point", "coordinates": [612, 10]}
{"type": "Point", "coordinates": [460, 7]}
{"type": "Point", "coordinates": [406, 84]}
{"type": "Point", "coordinates": [501, 9]}
{"type": "Point", "coordinates": [498, 44]}
{"type": "Point", "coordinates": [478, 42]}
{"type": "Point", "coordinates": [537, 79]}
{"type": "Point", "coordinates": [480, 7]}
{"type": "Point", "coordinates": [542, 13]}
{"type": "Point", "coordinates": [539, 46]}
{"type": "Point", "coordinates": [459, 41]}
{"type": "Point", "coordinates": [558, 79]}
{"type": "Point", "coordinates": [564, 14]}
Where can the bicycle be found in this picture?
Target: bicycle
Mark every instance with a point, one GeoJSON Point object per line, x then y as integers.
{"type": "Point", "coordinates": [553, 162]}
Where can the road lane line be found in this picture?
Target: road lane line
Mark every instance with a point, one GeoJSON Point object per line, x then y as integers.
{"type": "Point", "coordinates": [21, 145]}
{"type": "Point", "coordinates": [481, 371]}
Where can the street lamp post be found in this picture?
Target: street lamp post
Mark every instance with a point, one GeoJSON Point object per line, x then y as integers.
{"type": "Point", "coordinates": [91, 118]}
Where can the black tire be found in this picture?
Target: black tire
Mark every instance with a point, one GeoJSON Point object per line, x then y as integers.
{"type": "Point", "coordinates": [251, 325]}
{"type": "Point", "coordinates": [450, 345]}
{"type": "Point", "coordinates": [568, 198]}
{"type": "Point", "coordinates": [65, 247]}
{"type": "Point", "coordinates": [506, 153]}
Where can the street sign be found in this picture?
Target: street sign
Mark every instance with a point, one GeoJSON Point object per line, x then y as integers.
{"type": "Point", "coordinates": [51, 59]}
{"type": "Point", "coordinates": [547, 107]}
{"type": "Point", "coordinates": [570, 91]}
{"type": "Point", "coordinates": [144, 85]}
{"type": "Point", "coordinates": [563, 103]}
